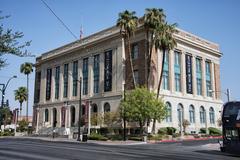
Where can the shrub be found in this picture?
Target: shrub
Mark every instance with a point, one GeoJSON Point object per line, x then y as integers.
{"type": "Point", "coordinates": [202, 130]}
{"type": "Point", "coordinates": [162, 131]}
{"type": "Point", "coordinates": [135, 138]}
{"type": "Point", "coordinates": [214, 131]}
{"type": "Point", "coordinates": [97, 137]}
{"type": "Point", "coordinates": [155, 137]}
{"type": "Point", "coordinates": [7, 132]}
{"type": "Point", "coordinates": [171, 130]}
{"type": "Point", "coordinates": [115, 137]}
{"type": "Point", "coordinates": [175, 135]}
{"type": "Point", "coordinates": [104, 131]}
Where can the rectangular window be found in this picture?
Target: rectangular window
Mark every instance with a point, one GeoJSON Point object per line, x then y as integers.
{"type": "Point", "coordinates": [177, 71]}
{"type": "Point", "coordinates": [108, 71]}
{"type": "Point", "coordinates": [208, 78]}
{"type": "Point", "coordinates": [37, 87]}
{"type": "Point", "coordinates": [165, 77]}
{"type": "Point", "coordinates": [199, 75]}
{"type": "Point", "coordinates": [48, 84]}
{"type": "Point", "coordinates": [134, 53]}
{"type": "Point", "coordinates": [75, 78]}
{"type": "Point", "coordinates": [96, 73]}
{"type": "Point", "coordinates": [189, 86]}
{"type": "Point", "coordinates": [136, 76]}
{"type": "Point", "coordinates": [57, 78]}
{"type": "Point", "coordinates": [85, 76]}
{"type": "Point", "coordinates": [65, 81]}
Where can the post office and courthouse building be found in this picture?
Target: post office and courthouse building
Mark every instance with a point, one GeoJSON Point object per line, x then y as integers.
{"type": "Point", "coordinates": [191, 74]}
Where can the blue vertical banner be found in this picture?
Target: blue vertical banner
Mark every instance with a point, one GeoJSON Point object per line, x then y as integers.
{"type": "Point", "coordinates": [189, 83]}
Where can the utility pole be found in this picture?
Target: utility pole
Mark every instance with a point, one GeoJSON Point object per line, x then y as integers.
{"type": "Point", "coordinates": [124, 114]}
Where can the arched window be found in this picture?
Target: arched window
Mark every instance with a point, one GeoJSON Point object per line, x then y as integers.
{"type": "Point", "coordinates": [180, 112]}
{"type": "Point", "coordinates": [46, 115]}
{"type": "Point", "coordinates": [169, 112]}
{"type": "Point", "coordinates": [94, 108]}
{"type": "Point", "coordinates": [107, 107]}
{"type": "Point", "coordinates": [191, 114]}
{"type": "Point", "coordinates": [73, 115]}
{"type": "Point", "coordinates": [211, 115]}
{"type": "Point", "coordinates": [202, 115]}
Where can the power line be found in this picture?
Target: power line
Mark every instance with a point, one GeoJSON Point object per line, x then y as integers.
{"type": "Point", "coordinates": [59, 19]}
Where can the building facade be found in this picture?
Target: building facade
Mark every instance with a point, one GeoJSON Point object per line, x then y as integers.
{"type": "Point", "coordinates": [190, 76]}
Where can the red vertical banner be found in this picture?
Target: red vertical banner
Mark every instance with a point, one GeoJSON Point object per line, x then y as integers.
{"type": "Point", "coordinates": [63, 111]}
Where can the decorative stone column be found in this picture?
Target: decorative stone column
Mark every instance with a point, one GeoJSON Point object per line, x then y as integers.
{"type": "Point", "coordinates": [213, 81]}
{"type": "Point", "coordinates": [70, 81]}
{"type": "Point", "coordinates": [204, 78]}
{"type": "Point", "coordinates": [171, 71]}
{"type": "Point", "coordinates": [90, 75]}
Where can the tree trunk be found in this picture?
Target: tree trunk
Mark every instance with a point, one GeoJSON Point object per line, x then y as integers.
{"type": "Point", "coordinates": [154, 126]}
{"type": "Point", "coordinates": [27, 97]}
{"type": "Point", "coordinates": [149, 59]}
{"type": "Point", "coordinates": [141, 127]}
{"type": "Point", "coordinates": [20, 111]}
{"type": "Point", "coordinates": [161, 74]}
{"type": "Point", "coordinates": [130, 60]}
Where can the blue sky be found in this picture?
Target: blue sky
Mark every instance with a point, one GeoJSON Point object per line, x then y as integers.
{"type": "Point", "coordinates": [217, 21]}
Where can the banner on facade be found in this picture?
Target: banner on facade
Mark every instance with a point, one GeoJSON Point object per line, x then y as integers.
{"type": "Point", "coordinates": [189, 86]}
{"type": "Point", "coordinates": [108, 71]}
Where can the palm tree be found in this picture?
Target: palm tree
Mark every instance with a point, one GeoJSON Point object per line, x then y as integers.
{"type": "Point", "coordinates": [164, 41]}
{"type": "Point", "coordinates": [21, 96]}
{"type": "Point", "coordinates": [27, 68]}
{"type": "Point", "coordinates": [153, 18]}
{"type": "Point", "coordinates": [128, 22]}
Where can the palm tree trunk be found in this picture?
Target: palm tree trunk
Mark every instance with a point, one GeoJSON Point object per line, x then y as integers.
{"type": "Point", "coordinates": [20, 111]}
{"type": "Point", "coordinates": [161, 74]}
{"type": "Point", "coordinates": [147, 57]}
{"type": "Point", "coordinates": [130, 60]}
{"type": "Point", "coordinates": [27, 97]}
{"type": "Point", "coordinates": [150, 57]}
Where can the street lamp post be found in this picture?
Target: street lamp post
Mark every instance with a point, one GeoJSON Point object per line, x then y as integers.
{"type": "Point", "coordinates": [227, 93]}
{"type": "Point", "coordinates": [4, 89]}
{"type": "Point", "coordinates": [124, 116]}
{"type": "Point", "coordinates": [80, 109]}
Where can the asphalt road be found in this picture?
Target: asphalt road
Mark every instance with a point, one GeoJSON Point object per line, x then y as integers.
{"type": "Point", "coordinates": [27, 149]}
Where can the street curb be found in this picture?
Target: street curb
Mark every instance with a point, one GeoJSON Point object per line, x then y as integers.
{"type": "Point", "coordinates": [56, 140]}
{"type": "Point", "coordinates": [181, 140]}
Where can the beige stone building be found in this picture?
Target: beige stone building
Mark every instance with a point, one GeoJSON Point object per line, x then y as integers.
{"type": "Point", "coordinates": [191, 74]}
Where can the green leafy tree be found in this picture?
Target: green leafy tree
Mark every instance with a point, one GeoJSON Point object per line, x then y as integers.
{"type": "Point", "coordinates": [159, 112]}
{"type": "Point", "coordinates": [153, 18]}
{"type": "Point", "coordinates": [21, 96]}
{"type": "Point", "coordinates": [141, 105]}
{"type": "Point", "coordinates": [6, 115]}
{"type": "Point", "coordinates": [165, 41]}
{"type": "Point", "coordinates": [23, 125]}
{"type": "Point", "coordinates": [27, 68]}
{"type": "Point", "coordinates": [9, 43]}
{"type": "Point", "coordinates": [128, 23]}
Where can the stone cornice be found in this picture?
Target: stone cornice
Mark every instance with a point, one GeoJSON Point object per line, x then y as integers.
{"type": "Point", "coordinates": [181, 36]}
